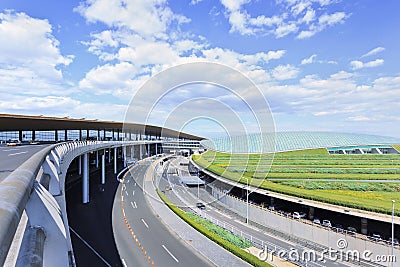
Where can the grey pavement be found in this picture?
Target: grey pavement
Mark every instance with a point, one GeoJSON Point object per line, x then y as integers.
{"type": "Point", "coordinates": [218, 255]}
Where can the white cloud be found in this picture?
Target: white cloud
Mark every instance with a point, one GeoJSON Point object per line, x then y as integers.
{"type": "Point", "coordinates": [285, 72]}
{"type": "Point", "coordinates": [356, 64]}
{"type": "Point", "coordinates": [309, 16]}
{"type": "Point", "coordinates": [147, 18]}
{"type": "Point", "coordinates": [297, 16]}
{"type": "Point", "coordinates": [30, 58]}
{"type": "Point", "coordinates": [359, 118]}
{"type": "Point", "coordinates": [309, 60]}
{"type": "Point", "coordinates": [324, 21]}
{"type": "Point", "coordinates": [285, 29]}
{"type": "Point", "coordinates": [373, 51]}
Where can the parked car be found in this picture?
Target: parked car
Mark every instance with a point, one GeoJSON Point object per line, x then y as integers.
{"type": "Point", "coordinates": [351, 230]}
{"type": "Point", "coordinates": [296, 215]}
{"type": "Point", "coordinates": [395, 242]}
{"type": "Point", "coordinates": [200, 206]}
{"type": "Point", "coordinates": [316, 221]}
{"type": "Point", "coordinates": [303, 215]}
{"type": "Point", "coordinates": [376, 237]}
{"type": "Point", "coordinates": [338, 228]}
{"type": "Point", "coordinates": [326, 223]}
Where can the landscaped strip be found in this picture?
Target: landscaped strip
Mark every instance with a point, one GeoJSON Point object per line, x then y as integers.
{"type": "Point", "coordinates": [204, 229]}
{"type": "Point", "coordinates": [292, 173]}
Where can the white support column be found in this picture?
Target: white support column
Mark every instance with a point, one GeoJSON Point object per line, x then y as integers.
{"type": "Point", "coordinates": [103, 168]}
{"type": "Point", "coordinates": [148, 150]}
{"type": "Point", "coordinates": [80, 165]}
{"type": "Point", "coordinates": [124, 155]}
{"type": "Point", "coordinates": [115, 160]}
{"type": "Point", "coordinates": [141, 152]}
{"type": "Point", "coordinates": [97, 159]}
{"type": "Point", "coordinates": [156, 149]}
{"type": "Point", "coordinates": [109, 155]}
{"type": "Point", "coordinates": [85, 179]}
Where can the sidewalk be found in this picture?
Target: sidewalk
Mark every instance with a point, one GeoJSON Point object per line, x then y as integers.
{"type": "Point", "coordinates": [216, 254]}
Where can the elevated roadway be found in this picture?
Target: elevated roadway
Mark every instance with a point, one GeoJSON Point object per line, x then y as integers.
{"type": "Point", "coordinates": [11, 157]}
{"type": "Point", "coordinates": [140, 236]}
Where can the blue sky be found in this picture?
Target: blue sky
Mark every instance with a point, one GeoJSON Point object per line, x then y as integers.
{"type": "Point", "coordinates": [323, 65]}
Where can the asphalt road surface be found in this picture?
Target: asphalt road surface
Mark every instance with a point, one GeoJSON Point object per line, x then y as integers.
{"type": "Point", "coordinates": [90, 224]}
{"type": "Point", "coordinates": [11, 157]}
{"type": "Point", "coordinates": [156, 241]}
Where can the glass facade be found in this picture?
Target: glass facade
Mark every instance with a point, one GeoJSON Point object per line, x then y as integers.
{"type": "Point", "coordinates": [289, 141]}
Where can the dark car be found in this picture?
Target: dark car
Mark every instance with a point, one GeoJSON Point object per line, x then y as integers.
{"type": "Point", "coordinates": [200, 205]}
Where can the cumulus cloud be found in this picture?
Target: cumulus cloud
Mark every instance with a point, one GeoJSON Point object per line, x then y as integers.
{"type": "Point", "coordinates": [324, 21]}
{"type": "Point", "coordinates": [147, 18]}
{"type": "Point", "coordinates": [30, 59]}
{"type": "Point", "coordinates": [285, 72]}
{"type": "Point", "coordinates": [357, 64]}
{"type": "Point", "coordinates": [306, 17]}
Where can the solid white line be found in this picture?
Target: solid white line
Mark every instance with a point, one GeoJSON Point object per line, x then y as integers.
{"type": "Point", "coordinates": [133, 192]}
{"type": "Point", "coordinates": [170, 253]}
{"type": "Point", "coordinates": [145, 224]}
{"type": "Point", "coordinates": [18, 153]}
{"type": "Point", "coordinates": [91, 248]}
{"type": "Point", "coordinates": [124, 263]}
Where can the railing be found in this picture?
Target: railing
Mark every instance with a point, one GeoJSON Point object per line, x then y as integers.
{"type": "Point", "coordinates": [16, 189]}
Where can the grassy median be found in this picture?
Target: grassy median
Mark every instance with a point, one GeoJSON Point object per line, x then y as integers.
{"type": "Point", "coordinates": [224, 238]}
{"type": "Point", "coordinates": [295, 173]}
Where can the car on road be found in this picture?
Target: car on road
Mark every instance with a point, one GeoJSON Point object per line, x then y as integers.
{"type": "Point", "coordinates": [376, 237]}
{"type": "Point", "coordinates": [317, 221]}
{"type": "Point", "coordinates": [298, 215]}
{"type": "Point", "coordinates": [338, 228]}
{"type": "Point", "coordinates": [395, 242]}
{"type": "Point", "coordinates": [351, 230]}
{"type": "Point", "coordinates": [13, 143]}
{"type": "Point", "coordinates": [326, 223]}
{"type": "Point", "coordinates": [200, 206]}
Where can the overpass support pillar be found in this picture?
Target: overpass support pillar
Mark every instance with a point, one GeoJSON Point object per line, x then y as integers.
{"type": "Point", "coordinates": [80, 165]}
{"type": "Point", "coordinates": [115, 160]}
{"type": "Point", "coordinates": [124, 155]}
{"type": "Point", "coordinates": [109, 155]}
{"type": "Point", "coordinates": [364, 226]}
{"type": "Point", "coordinates": [141, 152]}
{"type": "Point", "coordinates": [156, 149]}
{"type": "Point", "coordinates": [97, 159]}
{"type": "Point", "coordinates": [103, 168]}
{"type": "Point", "coordinates": [85, 181]}
{"type": "Point", "coordinates": [148, 150]}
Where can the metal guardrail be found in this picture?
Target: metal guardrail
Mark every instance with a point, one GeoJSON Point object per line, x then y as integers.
{"type": "Point", "coordinates": [15, 189]}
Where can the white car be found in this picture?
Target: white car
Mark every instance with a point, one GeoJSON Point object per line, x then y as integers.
{"type": "Point", "coordinates": [296, 215]}
{"type": "Point", "coordinates": [326, 223]}
{"type": "Point", "coordinates": [316, 221]}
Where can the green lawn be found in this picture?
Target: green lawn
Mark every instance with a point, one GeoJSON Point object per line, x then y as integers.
{"type": "Point", "coordinates": [315, 164]}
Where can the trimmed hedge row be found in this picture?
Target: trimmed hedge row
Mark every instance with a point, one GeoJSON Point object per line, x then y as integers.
{"type": "Point", "coordinates": [251, 259]}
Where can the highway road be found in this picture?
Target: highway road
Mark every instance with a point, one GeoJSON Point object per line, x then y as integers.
{"type": "Point", "coordinates": [141, 237]}
{"type": "Point", "coordinates": [186, 198]}
{"type": "Point", "coordinates": [11, 157]}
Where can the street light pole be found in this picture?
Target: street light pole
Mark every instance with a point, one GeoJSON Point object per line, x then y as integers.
{"type": "Point", "coordinates": [393, 231]}
{"type": "Point", "coordinates": [247, 201]}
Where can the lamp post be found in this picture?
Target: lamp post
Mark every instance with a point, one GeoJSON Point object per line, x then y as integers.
{"type": "Point", "coordinates": [247, 201]}
{"type": "Point", "coordinates": [393, 231]}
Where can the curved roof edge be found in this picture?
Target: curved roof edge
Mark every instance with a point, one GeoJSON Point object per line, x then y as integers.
{"type": "Point", "coordinates": [13, 122]}
{"type": "Point", "coordinates": [290, 141]}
